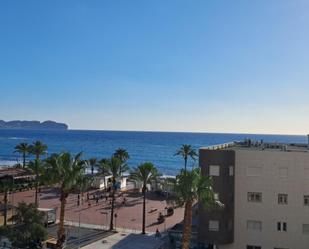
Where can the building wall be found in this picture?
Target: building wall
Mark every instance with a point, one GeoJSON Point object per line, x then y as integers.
{"type": "Point", "coordinates": [223, 185]}
{"type": "Point", "coordinates": [271, 173]}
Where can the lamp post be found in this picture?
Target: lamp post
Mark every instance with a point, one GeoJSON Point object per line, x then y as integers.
{"type": "Point", "coordinates": [115, 220]}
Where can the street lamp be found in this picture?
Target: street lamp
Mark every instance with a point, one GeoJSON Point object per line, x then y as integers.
{"type": "Point", "coordinates": [115, 220]}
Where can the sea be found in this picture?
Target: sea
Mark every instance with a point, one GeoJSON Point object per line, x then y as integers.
{"type": "Point", "coordinates": [156, 147]}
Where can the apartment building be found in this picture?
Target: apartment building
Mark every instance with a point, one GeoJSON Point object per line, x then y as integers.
{"type": "Point", "coordinates": [265, 189]}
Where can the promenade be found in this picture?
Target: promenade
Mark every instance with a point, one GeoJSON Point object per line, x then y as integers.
{"type": "Point", "coordinates": [128, 214]}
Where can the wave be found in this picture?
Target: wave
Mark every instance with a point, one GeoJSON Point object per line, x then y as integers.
{"type": "Point", "coordinates": [8, 162]}
{"type": "Point", "coordinates": [17, 138]}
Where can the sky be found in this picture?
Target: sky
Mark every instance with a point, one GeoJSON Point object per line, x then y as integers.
{"type": "Point", "coordinates": [166, 65]}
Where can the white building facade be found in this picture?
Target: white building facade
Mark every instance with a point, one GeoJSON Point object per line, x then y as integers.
{"type": "Point", "coordinates": [268, 207]}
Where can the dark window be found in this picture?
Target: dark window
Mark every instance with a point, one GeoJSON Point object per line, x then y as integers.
{"type": "Point", "coordinates": [282, 199]}
{"type": "Point", "coordinates": [281, 226]}
{"type": "Point", "coordinates": [254, 197]}
{"type": "Point", "coordinates": [254, 247]}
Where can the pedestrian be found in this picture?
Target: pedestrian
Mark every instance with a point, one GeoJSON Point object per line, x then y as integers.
{"type": "Point", "coordinates": [78, 200]}
{"type": "Point", "coordinates": [158, 234]}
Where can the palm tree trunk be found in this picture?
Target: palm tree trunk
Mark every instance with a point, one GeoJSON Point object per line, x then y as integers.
{"type": "Point", "coordinates": [104, 179]}
{"type": "Point", "coordinates": [36, 200]}
{"type": "Point", "coordinates": [187, 223]}
{"type": "Point", "coordinates": [24, 159]}
{"type": "Point", "coordinates": [144, 210]}
{"type": "Point", "coordinates": [5, 211]}
{"type": "Point", "coordinates": [186, 161]}
{"type": "Point", "coordinates": [61, 232]}
{"type": "Point", "coordinates": [111, 226]}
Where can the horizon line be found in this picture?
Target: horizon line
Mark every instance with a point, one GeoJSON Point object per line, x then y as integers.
{"type": "Point", "coordinates": [198, 132]}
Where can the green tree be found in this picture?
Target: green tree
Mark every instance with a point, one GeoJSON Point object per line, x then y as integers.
{"type": "Point", "coordinates": [66, 172]}
{"type": "Point", "coordinates": [191, 187]}
{"type": "Point", "coordinates": [186, 151]}
{"type": "Point", "coordinates": [123, 156]}
{"type": "Point", "coordinates": [24, 149]}
{"type": "Point", "coordinates": [116, 168]}
{"type": "Point", "coordinates": [6, 185]}
{"type": "Point", "coordinates": [38, 149]}
{"type": "Point", "coordinates": [28, 230]}
{"type": "Point", "coordinates": [145, 174]}
{"type": "Point", "coordinates": [92, 162]}
{"type": "Point", "coordinates": [103, 169]}
{"type": "Point", "coordinates": [37, 168]}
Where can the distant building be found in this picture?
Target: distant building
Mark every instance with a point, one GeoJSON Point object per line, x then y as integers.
{"type": "Point", "coordinates": [265, 189]}
{"type": "Point", "coordinates": [19, 174]}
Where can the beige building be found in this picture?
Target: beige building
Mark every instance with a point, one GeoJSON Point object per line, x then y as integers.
{"type": "Point", "coordinates": [265, 187]}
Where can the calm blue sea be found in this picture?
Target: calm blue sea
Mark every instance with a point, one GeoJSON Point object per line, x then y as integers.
{"type": "Point", "coordinates": [156, 147]}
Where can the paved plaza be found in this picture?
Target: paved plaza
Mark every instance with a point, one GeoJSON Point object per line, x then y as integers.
{"type": "Point", "coordinates": [129, 213]}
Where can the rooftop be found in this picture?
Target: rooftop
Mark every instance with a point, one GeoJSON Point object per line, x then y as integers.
{"type": "Point", "coordinates": [13, 171]}
{"type": "Point", "coordinates": [249, 144]}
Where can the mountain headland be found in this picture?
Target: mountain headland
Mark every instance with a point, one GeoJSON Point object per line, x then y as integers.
{"type": "Point", "coordinates": [33, 125]}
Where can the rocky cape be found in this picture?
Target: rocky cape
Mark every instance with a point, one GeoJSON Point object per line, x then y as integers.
{"type": "Point", "coordinates": [33, 125]}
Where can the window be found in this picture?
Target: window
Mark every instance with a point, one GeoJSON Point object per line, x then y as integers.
{"type": "Point", "coordinates": [282, 199]}
{"type": "Point", "coordinates": [306, 200]}
{"type": "Point", "coordinates": [231, 170]}
{"type": "Point", "coordinates": [254, 197]}
{"type": "Point", "coordinates": [281, 226]}
{"type": "Point", "coordinates": [254, 225]}
{"type": "Point", "coordinates": [305, 228]}
{"type": "Point", "coordinates": [214, 225]}
{"type": "Point", "coordinates": [254, 247]}
{"type": "Point", "coordinates": [214, 170]}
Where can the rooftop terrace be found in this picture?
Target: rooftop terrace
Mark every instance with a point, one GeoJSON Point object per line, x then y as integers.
{"type": "Point", "coordinates": [249, 144]}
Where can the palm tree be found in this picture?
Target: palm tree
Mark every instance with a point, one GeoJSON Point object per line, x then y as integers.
{"type": "Point", "coordinates": [38, 149]}
{"type": "Point", "coordinates": [103, 169]}
{"type": "Point", "coordinates": [144, 173]}
{"type": "Point", "coordinates": [37, 168]}
{"type": "Point", "coordinates": [24, 149]}
{"type": "Point", "coordinates": [122, 154]}
{"type": "Point", "coordinates": [115, 167]}
{"type": "Point", "coordinates": [66, 172]}
{"type": "Point", "coordinates": [6, 185]}
{"type": "Point", "coordinates": [191, 187]}
{"type": "Point", "coordinates": [186, 151]}
{"type": "Point", "coordinates": [92, 162]}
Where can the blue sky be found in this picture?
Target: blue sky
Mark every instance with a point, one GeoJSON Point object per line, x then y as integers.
{"type": "Point", "coordinates": [172, 65]}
